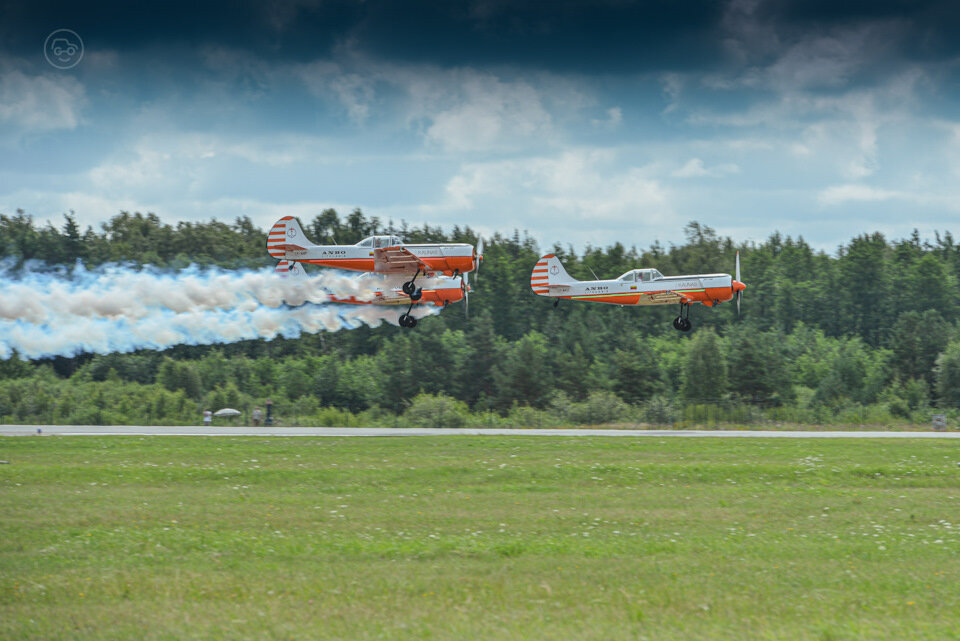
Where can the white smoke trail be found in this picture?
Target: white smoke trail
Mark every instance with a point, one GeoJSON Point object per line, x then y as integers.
{"type": "Point", "coordinates": [119, 309]}
{"type": "Point", "coordinates": [121, 292]}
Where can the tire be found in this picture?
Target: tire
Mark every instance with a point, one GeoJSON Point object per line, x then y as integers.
{"type": "Point", "coordinates": [417, 295]}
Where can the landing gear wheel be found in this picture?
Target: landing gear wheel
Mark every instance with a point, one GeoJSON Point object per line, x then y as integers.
{"type": "Point", "coordinates": [417, 295]}
{"type": "Point", "coordinates": [410, 287]}
{"type": "Point", "coordinates": [406, 320]}
{"type": "Point", "coordinates": [682, 322]}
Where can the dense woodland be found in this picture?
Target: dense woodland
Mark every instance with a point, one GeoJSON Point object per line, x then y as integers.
{"type": "Point", "coordinates": [866, 335]}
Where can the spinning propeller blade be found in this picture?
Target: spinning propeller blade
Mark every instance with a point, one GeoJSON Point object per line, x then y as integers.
{"type": "Point", "coordinates": [479, 257]}
{"type": "Point", "coordinates": [737, 279]}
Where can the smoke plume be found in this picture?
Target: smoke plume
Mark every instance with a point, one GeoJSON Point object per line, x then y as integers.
{"type": "Point", "coordinates": [122, 309]}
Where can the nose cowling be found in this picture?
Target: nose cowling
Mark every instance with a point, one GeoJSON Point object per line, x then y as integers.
{"type": "Point", "coordinates": [738, 286]}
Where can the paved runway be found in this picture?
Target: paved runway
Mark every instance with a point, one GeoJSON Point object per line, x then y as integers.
{"type": "Point", "coordinates": [227, 430]}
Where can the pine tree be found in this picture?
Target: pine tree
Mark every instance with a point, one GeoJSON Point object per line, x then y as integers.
{"type": "Point", "coordinates": [704, 373]}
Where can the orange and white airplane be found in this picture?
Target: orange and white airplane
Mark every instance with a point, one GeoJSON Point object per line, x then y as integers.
{"type": "Point", "coordinates": [380, 254]}
{"type": "Point", "coordinates": [439, 291]}
{"type": "Point", "coordinates": [639, 287]}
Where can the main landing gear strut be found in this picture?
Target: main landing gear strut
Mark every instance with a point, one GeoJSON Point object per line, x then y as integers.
{"type": "Point", "coordinates": [410, 288]}
{"type": "Point", "coordinates": [682, 322]}
{"type": "Point", "coordinates": [406, 320]}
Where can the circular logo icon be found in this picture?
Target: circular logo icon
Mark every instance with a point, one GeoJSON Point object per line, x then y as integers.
{"type": "Point", "coordinates": [291, 232]}
{"type": "Point", "coordinates": [554, 269]}
{"type": "Point", "coordinates": [63, 49]}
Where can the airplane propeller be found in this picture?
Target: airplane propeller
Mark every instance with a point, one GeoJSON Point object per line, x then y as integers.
{"type": "Point", "coordinates": [479, 256]}
{"type": "Point", "coordinates": [465, 286]}
{"type": "Point", "coordinates": [737, 279]}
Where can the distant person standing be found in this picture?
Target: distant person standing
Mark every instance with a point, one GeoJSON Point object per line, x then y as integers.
{"type": "Point", "coordinates": [257, 416]}
{"type": "Point", "coordinates": [207, 418]}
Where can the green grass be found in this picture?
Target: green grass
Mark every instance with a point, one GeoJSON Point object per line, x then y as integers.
{"type": "Point", "coordinates": [469, 537]}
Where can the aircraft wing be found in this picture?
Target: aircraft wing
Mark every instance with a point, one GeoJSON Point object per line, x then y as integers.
{"type": "Point", "coordinates": [668, 296]}
{"type": "Point", "coordinates": [396, 260]}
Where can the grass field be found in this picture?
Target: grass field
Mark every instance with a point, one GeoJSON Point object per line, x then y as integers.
{"type": "Point", "coordinates": [470, 537]}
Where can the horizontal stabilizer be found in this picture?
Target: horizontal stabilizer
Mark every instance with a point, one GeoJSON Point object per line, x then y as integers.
{"type": "Point", "coordinates": [290, 268]}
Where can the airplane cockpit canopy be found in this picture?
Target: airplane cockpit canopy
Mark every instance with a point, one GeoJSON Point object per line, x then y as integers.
{"type": "Point", "coordinates": [380, 241]}
{"type": "Point", "coordinates": [641, 275]}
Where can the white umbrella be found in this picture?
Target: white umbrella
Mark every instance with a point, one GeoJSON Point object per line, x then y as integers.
{"type": "Point", "coordinates": [227, 411]}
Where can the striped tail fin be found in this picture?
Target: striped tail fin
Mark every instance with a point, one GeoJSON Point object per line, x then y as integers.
{"type": "Point", "coordinates": [548, 273]}
{"type": "Point", "coordinates": [286, 234]}
{"type": "Point", "coordinates": [290, 268]}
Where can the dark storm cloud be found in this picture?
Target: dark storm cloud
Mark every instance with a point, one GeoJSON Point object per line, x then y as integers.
{"type": "Point", "coordinates": [607, 36]}
{"type": "Point", "coordinates": [278, 29]}
{"type": "Point", "coordinates": [563, 35]}
{"type": "Point", "coordinates": [550, 35]}
{"type": "Point", "coordinates": [927, 30]}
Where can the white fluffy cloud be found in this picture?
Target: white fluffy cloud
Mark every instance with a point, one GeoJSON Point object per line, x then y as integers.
{"type": "Point", "coordinates": [488, 113]}
{"type": "Point", "coordinates": [457, 110]}
{"type": "Point", "coordinates": [40, 103]}
{"type": "Point", "coordinates": [578, 196]}
{"type": "Point", "coordinates": [694, 168]}
{"type": "Point", "coordinates": [327, 79]}
{"type": "Point", "coordinates": [839, 194]}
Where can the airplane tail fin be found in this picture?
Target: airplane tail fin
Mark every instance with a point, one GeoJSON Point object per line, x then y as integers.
{"type": "Point", "coordinates": [286, 234]}
{"type": "Point", "coordinates": [290, 268]}
{"type": "Point", "coordinates": [549, 273]}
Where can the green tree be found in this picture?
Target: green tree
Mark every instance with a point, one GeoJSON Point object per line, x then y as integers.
{"type": "Point", "coordinates": [948, 376]}
{"type": "Point", "coordinates": [522, 375]}
{"type": "Point", "coordinates": [704, 376]}
{"type": "Point", "coordinates": [915, 341]}
{"type": "Point", "coordinates": [180, 376]}
{"type": "Point", "coordinates": [757, 367]}
{"type": "Point", "coordinates": [440, 410]}
{"type": "Point", "coordinates": [636, 372]}
{"type": "Point", "coordinates": [865, 286]}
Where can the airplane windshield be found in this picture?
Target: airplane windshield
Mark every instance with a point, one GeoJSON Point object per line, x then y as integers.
{"type": "Point", "coordinates": [380, 241]}
{"type": "Point", "coordinates": [629, 276]}
{"type": "Point", "coordinates": [647, 275]}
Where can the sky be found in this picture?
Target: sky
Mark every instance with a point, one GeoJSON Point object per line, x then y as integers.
{"type": "Point", "coordinates": [582, 123]}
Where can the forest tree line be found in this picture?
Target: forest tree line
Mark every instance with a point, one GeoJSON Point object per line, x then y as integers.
{"type": "Point", "coordinates": [866, 334]}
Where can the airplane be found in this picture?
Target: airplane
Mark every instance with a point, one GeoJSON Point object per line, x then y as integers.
{"type": "Point", "coordinates": [639, 287]}
{"type": "Point", "coordinates": [440, 291]}
{"type": "Point", "coordinates": [381, 254]}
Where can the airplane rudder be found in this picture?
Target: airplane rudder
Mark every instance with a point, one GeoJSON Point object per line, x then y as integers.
{"type": "Point", "coordinates": [286, 231]}
{"type": "Point", "coordinates": [277, 237]}
{"type": "Point", "coordinates": [540, 277]}
{"type": "Point", "coordinates": [554, 270]}
{"type": "Point", "coordinates": [295, 232]}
